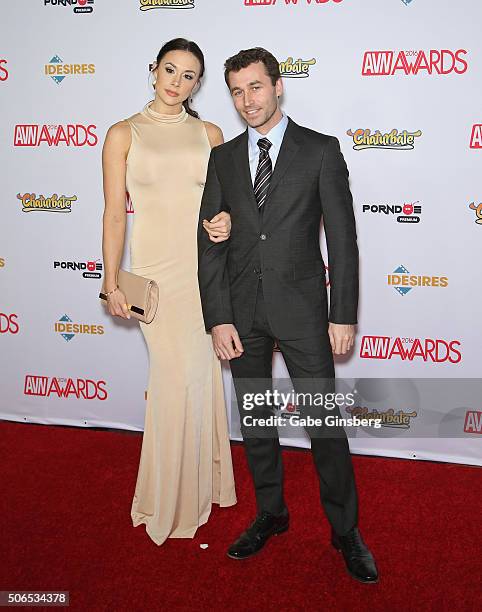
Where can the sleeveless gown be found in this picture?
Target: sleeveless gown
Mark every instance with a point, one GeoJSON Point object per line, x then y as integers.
{"type": "Point", "coordinates": [185, 462]}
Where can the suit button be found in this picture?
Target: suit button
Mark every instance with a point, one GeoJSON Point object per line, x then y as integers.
{"type": "Point", "coordinates": [263, 236]}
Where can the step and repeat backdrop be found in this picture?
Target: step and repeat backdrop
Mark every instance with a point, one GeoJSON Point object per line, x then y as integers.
{"type": "Point", "coordinates": [398, 82]}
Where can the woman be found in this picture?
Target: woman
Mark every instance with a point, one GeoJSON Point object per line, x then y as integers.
{"type": "Point", "coordinates": [160, 155]}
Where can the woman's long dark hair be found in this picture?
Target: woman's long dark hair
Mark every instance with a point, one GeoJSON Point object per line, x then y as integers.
{"type": "Point", "coordinates": [182, 44]}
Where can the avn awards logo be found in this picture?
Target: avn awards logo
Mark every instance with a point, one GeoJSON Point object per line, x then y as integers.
{"type": "Point", "coordinates": [53, 203]}
{"type": "Point", "coordinates": [473, 422]}
{"type": "Point", "coordinates": [71, 135]}
{"type": "Point", "coordinates": [408, 213]}
{"type": "Point", "coordinates": [390, 63]}
{"type": "Point", "coordinates": [80, 388]}
{"type": "Point", "coordinates": [288, 2]}
{"type": "Point", "coordinates": [395, 140]}
{"type": "Point", "coordinates": [147, 5]}
{"type": "Point", "coordinates": [80, 6]}
{"type": "Point", "coordinates": [3, 70]}
{"type": "Point", "coordinates": [410, 349]}
{"type": "Point", "coordinates": [387, 418]}
{"type": "Point", "coordinates": [403, 282]}
{"type": "Point", "coordinates": [478, 212]}
{"type": "Point", "coordinates": [68, 329]}
{"type": "Point", "coordinates": [57, 70]}
{"type": "Point", "coordinates": [90, 269]}
{"type": "Point", "coordinates": [476, 137]}
{"type": "Point", "coordinates": [298, 69]}
{"type": "Point", "coordinates": [8, 323]}
{"type": "Point", "coordinates": [2, 262]}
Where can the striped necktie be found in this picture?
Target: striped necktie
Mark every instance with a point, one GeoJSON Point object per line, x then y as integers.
{"type": "Point", "coordinates": [263, 172]}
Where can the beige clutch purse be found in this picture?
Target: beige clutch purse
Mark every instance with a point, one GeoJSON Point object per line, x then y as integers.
{"type": "Point", "coordinates": [142, 295]}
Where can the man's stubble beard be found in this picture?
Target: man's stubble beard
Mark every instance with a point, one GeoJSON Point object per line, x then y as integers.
{"type": "Point", "coordinates": [266, 120]}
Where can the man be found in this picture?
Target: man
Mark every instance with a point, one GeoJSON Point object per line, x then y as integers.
{"type": "Point", "coordinates": [267, 284]}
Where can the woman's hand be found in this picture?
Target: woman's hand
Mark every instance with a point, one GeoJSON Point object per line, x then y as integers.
{"type": "Point", "coordinates": [117, 305]}
{"type": "Point", "coordinates": [219, 228]}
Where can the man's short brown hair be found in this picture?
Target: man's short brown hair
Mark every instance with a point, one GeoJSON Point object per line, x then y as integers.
{"type": "Point", "coordinates": [245, 58]}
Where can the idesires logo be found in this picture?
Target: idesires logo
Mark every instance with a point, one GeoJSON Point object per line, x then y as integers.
{"type": "Point", "coordinates": [391, 63]}
{"type": "Point", "coordinates": [57, 70]}
{"type": "Point", "coordinates": [70, 135]}
{"type": "Point", "coordinates": [80, 388]}
{"type": "Point", "coordinates": [403, 282]}
{"type": "Point", "coordinates": [68, 329]}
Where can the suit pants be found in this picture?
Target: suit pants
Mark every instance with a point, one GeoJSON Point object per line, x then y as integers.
{"type": "Point", "coordinates": [310, 365]}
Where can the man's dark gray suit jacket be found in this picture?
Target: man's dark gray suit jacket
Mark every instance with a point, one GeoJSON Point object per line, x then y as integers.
{"type": "Point", "coordinates": [281, 243]}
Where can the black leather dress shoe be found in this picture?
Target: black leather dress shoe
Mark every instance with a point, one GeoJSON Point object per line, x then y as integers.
{"type": "Point", "coordinates": [255, 537]}
{"type": "Point", "coordinates": [358, 558]}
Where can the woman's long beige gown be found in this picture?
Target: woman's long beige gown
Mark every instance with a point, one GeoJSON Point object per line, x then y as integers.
{"type": "Point", "coordinates": [185, 462]}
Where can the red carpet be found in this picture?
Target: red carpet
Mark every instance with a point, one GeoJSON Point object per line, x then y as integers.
{"type": "Point", "coordinates": [66, 496]}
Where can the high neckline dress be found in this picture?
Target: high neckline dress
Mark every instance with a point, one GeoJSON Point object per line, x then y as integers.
{"type": "Point", "coordinates": [185, 462]}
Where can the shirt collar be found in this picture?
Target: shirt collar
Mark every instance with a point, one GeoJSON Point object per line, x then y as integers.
{"type": "Point", "coordinates": [275, 135]}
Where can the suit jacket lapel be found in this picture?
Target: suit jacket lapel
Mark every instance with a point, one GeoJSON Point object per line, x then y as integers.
{"type": "Point", "coordinates": [289, 148]}
{"type": "Point", "coordinates": [241, 158]}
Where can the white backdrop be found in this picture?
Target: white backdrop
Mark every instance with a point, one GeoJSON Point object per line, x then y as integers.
{"type": "Point", "coordinates": [97, 375]}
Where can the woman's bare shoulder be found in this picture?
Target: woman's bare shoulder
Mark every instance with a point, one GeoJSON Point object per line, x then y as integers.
{"type": "Point", "coordinates": [214, 133]}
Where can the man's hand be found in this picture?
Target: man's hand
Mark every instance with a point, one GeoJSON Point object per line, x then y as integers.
{"type": "Point", "coordinates": [219, 228]}
{"type": "Point", "coordinates": [226, 342]}
{"type": "Point", "coordinates": [342, 338]}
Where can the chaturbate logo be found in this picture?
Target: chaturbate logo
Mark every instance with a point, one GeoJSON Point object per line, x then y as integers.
{"type": "Point", "coordinates": [478, 212]}
{"type": "Point", "coordinates": [287, 2]}
{"type": "Point", "coordinates": [147, 5]}
{"type": "Point", "coordinates": [3, 70]}
{"type": "Point", "coordinates": [403, 282]}
{"type": "Point", "coordinates": [401, 141]}
{"type": "Point", "coordinates": [473, 422]}
{"type": "Point", "coordinates": [57, 70]}
{"type": "Point", "coordinates": [80, 388]}
{"type": "Point", "coordinates": [390, 63]}
{"type": "Point", "coordinates": [67, 329]}
{"type": "Point", "coordinates": [90, 269]}
{"type": "Point", "coordinates": [74, 135]}
{"type": "Point", "coordinates": [80, 6]}
{"type": "Point", "coordinates": [298, 69]}
{"type": "Point", "coordinates": [476, 137]}
{"type": "Point", "coordinates": [53, 203]}
{"type": "Point", "coordinates": [387, 418]}
{"type": "Point", "coordinates": [428, 349]}
{"type": "Point", "coordinates": [408, 213]}
{"type": "Point", "coordinates": [8, 323]}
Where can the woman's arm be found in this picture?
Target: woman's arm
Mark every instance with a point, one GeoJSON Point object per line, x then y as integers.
{"type": "Point", "coordinates": [219, 227]}
{"type": "Point", "coordinates": [114, 155]}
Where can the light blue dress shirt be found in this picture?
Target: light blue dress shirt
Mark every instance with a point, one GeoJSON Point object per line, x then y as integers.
{"type": "Point", "coordinates": [275, 136]}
